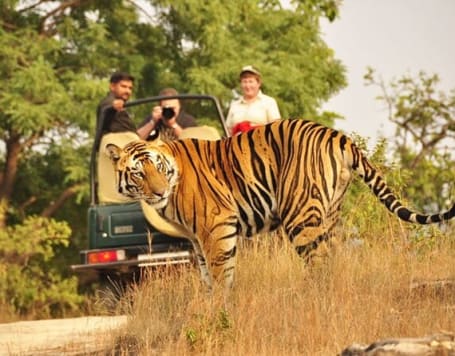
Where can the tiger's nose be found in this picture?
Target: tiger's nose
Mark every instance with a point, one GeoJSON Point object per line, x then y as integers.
{"type": "Point", "coordinates": [160, 192]}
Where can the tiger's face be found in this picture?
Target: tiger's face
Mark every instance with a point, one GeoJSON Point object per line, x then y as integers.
{"type": "Point", "coordinates": [143, 172]}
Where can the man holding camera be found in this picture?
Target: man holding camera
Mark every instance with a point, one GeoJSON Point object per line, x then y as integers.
{"type": "Point", "coordinates": [167, 119]}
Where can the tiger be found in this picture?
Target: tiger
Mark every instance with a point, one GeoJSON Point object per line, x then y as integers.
{"type": "Point", "coordinates": [290, 173]}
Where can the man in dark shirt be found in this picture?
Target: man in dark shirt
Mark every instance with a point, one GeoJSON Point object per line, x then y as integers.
{"type": "Point", "coordinates": [114, 125]}
{"type": "Point", "coordinates": [111, 108]}
{"type": "Point", "coordinates": [112, 117]}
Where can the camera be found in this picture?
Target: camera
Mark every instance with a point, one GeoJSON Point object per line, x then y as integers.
{"type": "Point", "coordinates": [168, 113]}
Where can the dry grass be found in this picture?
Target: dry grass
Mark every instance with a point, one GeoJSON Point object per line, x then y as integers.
{"type": "Point", "coordinates": [280, 306]}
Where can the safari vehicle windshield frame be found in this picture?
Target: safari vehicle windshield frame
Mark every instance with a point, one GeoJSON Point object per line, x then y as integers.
{"type": "Point", "coordinates": [200, 97]}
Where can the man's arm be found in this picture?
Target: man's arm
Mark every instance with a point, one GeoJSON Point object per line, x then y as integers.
{"type": "Point", "coordinates": [147, 126]}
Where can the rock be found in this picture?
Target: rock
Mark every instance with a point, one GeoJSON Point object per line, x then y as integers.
{"type": "Point", "coordinates": [76, 336]}
{"type": "Point", "coordinates": [442, 344]}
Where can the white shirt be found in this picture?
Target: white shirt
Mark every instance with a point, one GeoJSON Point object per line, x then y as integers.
{"type": "Point", "coordinates": [261, 111]}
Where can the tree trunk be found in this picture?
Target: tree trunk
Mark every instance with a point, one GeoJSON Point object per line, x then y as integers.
{"type": "Point", "coordinates": [13, 150]}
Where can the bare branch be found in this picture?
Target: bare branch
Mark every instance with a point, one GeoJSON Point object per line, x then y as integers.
{"type": "Point", "coordinates": [32, 6]}
{"type": "Point", "coordinates": [31, 140]}
{"type": "Point", "coordinates": [141, 9]}
{"type": "Point", "coordinates": [58, 12]}
{"type": "Point", "coordinates": [26, 204]}
{"type": "Point", "coordinates": [8, 26]}
{"type": "Point", "coordinates": [57, 204]}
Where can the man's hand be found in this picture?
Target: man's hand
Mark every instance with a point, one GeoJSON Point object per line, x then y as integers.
{"type": "Point", "coordinates": [118, 104]}
{"type": "Point", "coordinates": [157, 113]}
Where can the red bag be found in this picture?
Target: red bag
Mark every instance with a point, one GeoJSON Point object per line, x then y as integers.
{"type": "Point", "coordinates": [243, 126]}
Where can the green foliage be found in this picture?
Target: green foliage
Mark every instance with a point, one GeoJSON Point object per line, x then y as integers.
{"type": "Point", "coordinates": [49, 177]}
{"type": "Point", "coordinates": [191, 336]}
{"type": "Point", "coordinates": [29, 281]}
{"type": "Point", "coordinates": [206, 326]}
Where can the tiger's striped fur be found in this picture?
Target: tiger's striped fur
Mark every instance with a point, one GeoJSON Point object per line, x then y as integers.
{"type": "Point", "coordinates": [292, 173]}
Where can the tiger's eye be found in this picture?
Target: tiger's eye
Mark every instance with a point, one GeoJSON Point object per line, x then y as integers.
{"type": "Point", "coordinates": [160, 167]}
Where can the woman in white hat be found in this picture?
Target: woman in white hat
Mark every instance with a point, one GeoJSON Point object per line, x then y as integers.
{"type": "Point", "coordinates": [254, 108]}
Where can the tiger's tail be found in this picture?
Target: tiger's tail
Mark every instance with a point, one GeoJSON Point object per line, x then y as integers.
{"type": "Point", "coordinates": [379, 187]}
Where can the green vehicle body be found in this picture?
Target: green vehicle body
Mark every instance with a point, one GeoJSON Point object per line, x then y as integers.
{"type": "Point", "coordinates": [120, 240]}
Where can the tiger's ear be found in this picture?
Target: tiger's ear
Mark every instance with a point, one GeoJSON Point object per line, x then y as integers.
{"type": "Point", "coordinates": [155, 141]}
{"type": "Point", "coordinates": [113, 152]}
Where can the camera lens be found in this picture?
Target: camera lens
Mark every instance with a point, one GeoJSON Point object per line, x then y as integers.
{"type": "Point", "coordinates": [168, 113]}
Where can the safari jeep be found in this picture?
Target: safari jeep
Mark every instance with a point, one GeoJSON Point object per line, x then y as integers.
{"type": "Point", "coordinates": [121, 241]}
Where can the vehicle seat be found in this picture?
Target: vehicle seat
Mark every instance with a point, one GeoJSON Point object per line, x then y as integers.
{"type": "Point", "coordinates": [107, 190]}
{"type": "Point", "coordinates": [201, 133]}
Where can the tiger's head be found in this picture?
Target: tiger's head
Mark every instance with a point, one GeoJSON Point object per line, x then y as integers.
{"type": "Point", "coordinates": [143, 172]}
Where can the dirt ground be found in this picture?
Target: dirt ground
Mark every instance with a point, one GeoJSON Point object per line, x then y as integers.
{"type": "Point", "coordinates": [74, 336]}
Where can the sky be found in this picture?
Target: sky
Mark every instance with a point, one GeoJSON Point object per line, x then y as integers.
{"type": "Point", "coordinates": [395, 37]}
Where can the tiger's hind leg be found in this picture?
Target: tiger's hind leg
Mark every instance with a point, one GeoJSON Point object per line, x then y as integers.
{"type": "Point", "coordinates": [310, 242]}
{"type": "Point", "coordinates": [310, 225]}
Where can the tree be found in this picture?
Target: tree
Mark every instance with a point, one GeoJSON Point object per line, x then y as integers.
{"type": "Point", "coordinates": [53, 56]}
{"type": "Point", "coordinates": [56, 57]}
{"type": "Point", "coordinates": [29, 281]}
{"type": "Point", "coordinates": [424, 141]}
{"type": "Point", "coordinates": [208, 42]}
